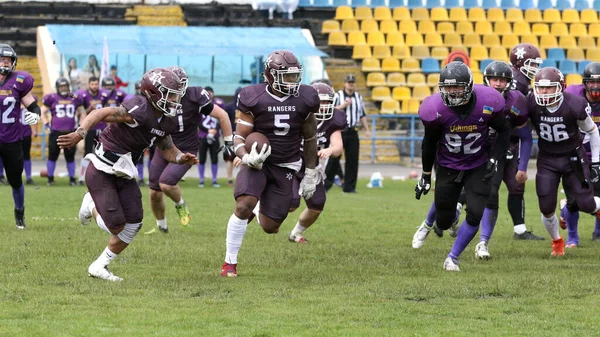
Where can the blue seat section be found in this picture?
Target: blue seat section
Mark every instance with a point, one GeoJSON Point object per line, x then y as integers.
{"type": "Point", "coordinates": [548, 63]}
{"type": "Point", "coordinates": [430, 65]}
{"type": "Point", "coordinates": [451, 3]}
{"type": "Point", "coordinates": [581, 4]}
{"type": "Point", "coordinates": [396, 3]}
{"type": "Point", "coordinates": [337, 3]}
{"type": "Point", "coordinates": [526, 4]}
{"type": "Point", "coordinates": [483, 64]}
{"type": "Point", "coordinates": [470, 4]}
{"type": "Point", "coordinates": [415, 3]}
{"type": "Point", "coordinates": [433, 3]}
{"type": "Point", "coordinates": [563, 4]}
{"type": "Point", "coordinates": [357, 3]}
{"type": "Point", "coordinates": [321, 3]}
{"type": "Point", "coordinates": [305, 3]}
{"type": "Point", "coordinates": [506, 4]}
{"type": "Point", "coordinates": [378, 3]}
{"type": "Point", "coordinates": [544, 4]}
{"type": "Point", "coordinates": [581, 66]}
{"type": "Point", "coordinates": [567, 67]}
{"type": "Point", "coordinates": [556, 54]}
{"type": "Point", "coordinates": [596, 5]}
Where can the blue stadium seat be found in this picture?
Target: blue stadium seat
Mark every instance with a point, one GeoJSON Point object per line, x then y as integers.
{"type": "Point", "coordinates": [483, 64]}
{"type": "Point", "coordinates": [321, 3]}
{"type": "Point", "coordinates": [305, 3]}
{"type": "Point", "coordinates": [548, 63]}
{"type": "Point", "coordinates": [556, 54]}
{"type": "Point", "coordinates": [487, 4]}
{"type": "Point", "coordinates": [506, 4]}
{"type": "Point", "coordinates": [563, 4]}
{"type": "Point", "coordinates": [597, 5]}
{"type": "Point", "coordinates": [378, 3]}
{"type": "Point", "coordinates": [357, 3]}
{"type": "Point", "coordinates": [433, 3]}
{"type": "Point", "coordinates": [430, 65]}
{"type": "Point", "coordinates": [544, 4]}
{"type": "Point", "coordinates": [567, 67]}
{"type": "Point", "coordinates": [470, 4]}
{"type": "Point", "coordinates": [338, 3]}
{"type": "Point", "coordinates": [526, 4]}
{"type": "Point", "coordinates": [581, 66]}
{"type": "Point", "coordinates": [451, 3]}
{"type": "Point", "coordinates": [415, 4]}
{"type": "Point", "coordinates": [581, 5]}
{"type": "Point", "coordinates": [396, 3]}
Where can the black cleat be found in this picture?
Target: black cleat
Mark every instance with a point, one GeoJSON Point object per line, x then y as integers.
{"type": "Point", "coordinates": [30, 182]}
{"type": "Point", "coordinates": [72, 182]}
{"type": "Point", "coordinates": [3, 180]}
{"type": "Point", "coordinates": [50, 181]}
{"type": "Point", "coordinates": [439, 232]}
{"type": "Point", "coordinates": [20, 218]}
{"type": "Point", "coordinates": [81, 183]}
{"type": "Point", "coordinates": [141, 182]}
{"type": "Point", "coordinates": [527, 236]}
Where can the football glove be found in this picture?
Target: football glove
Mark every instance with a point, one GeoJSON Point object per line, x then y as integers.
{"type": "Point", "coordinates": [595, 172]}
{"type": "Point", "coordinates": [308, 185]}
{"type": "Point", "coordinates": [228, 153]}
{"type": "Point", "coordinates": [423, 186]}
{"type": "Point", "coordinates": [255, 159]}
{"type": "Point", "coordinates": [490, 169]}
{"type": "Point", "coordinates": [31, 118]}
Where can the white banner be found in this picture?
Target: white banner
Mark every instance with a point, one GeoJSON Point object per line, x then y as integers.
{"type": "Point", "coordinates": [104, 69]}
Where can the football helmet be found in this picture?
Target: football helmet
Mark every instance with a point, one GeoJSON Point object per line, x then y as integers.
{"type": "Point", "coordinates": [283, 72]}
{"type": "Point", "coordinates": [548, 77]}
{"type": "Point", "coordinates": [182, 75]}
{"type": "Point", "coordinates": [456, 74]}
{"type": "Point", "coordinates": [591, 73]}
{"type": "Point", "coordinates": [501, 70]}
{"type": "Point", "coordinates": [526, 58]}
{"type": "Point", "coordinates": [7, 51]}
{"type": "Point", "coordinates": [164, 89]}
{"type": "Point", "coordinates": [108, 83]}
{"type": "Point", "coordinates": [326, 94]}
{"type": "Point", "coordinates": [138, 87]}
{"type": "Point", "coordinates": [61, 82]}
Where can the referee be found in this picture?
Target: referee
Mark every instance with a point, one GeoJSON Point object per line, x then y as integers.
{"type": "Point", "coordinates": [351, 102]}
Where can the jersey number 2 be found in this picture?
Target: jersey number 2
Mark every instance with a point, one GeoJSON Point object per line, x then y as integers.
{"type": "Point", "coordinates": [454, 143]}
{"type": "Point", "coordinates": [10, 101]}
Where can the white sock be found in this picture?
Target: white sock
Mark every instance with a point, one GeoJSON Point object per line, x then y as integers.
{"type": "Point", "coordinates": [180, 202]}
{"type": "Point", "coordinates": [298, 229]}
{"type": "Point", "coordinates": [91, 206]}
{"type": "Point", "coordinates": [84, 165]}
{"type": "Point", "coordinates": [106, 257]}
{"type": "Point", "coordinates": [101, 224]}
{"type": "Point", "coordinates": [551, 225]}
{"type": "Point", "coordinates": [256, 211]}
{"type": "Point", "coordinates": [520, 229]}
{"type": "Point", "coordinates": [162, 223]}
{"type": "Point", "coordinates": [597, 204]}
{"type": "Point", "coordinates": [236, 229]}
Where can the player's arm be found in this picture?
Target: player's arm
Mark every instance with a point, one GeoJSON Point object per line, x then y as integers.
{"type": "Point", "coordinates": [431, 138]}
{"type": "Point", "coordinates": [32, 116]}
{"type": "Point", "coordinates": [243, 127]}
{"type": "Point", "coordinates": [223, 118]}
{"type": "Point", "coordinates": [309, 132]}
{"type": "Point", "coordinates": [526, 145]}
{"type": "Point", "coordinates": [44, 115]}
{"type": "Point", "coordinates": [172, 154]}
{"type": "Point", "coordinates": [336, 146]}
{"type": "Point", "coordinates": [587, 125]}
{"type": "Point", "coordinates": [501, 125]}
{"type": "Point", "coordinates": [109, 115]}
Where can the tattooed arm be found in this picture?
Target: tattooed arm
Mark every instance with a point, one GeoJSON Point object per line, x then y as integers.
{"type": "Point", "coordinates": [109, 115]}
{"type": "Point", "coordinates": [172, 154]}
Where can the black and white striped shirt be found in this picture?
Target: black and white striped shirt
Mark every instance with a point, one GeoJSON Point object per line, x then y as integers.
{"type": "Point", "coordinates": [354, 110]}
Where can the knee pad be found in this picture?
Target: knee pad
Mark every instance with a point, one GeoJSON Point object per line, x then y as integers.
{"type": "Point", "coordinates": [493, 199]}
{"type": "Point", "coordinates": [472, 219]}
{"type": "Point", "coordinates": [572, 205]}
{"type": "Point", "coordinates": [445, 218]}
{"type": "Point", "coordinates": [129, 232]}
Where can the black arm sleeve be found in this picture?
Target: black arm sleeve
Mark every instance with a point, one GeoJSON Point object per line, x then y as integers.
{"type": "Point", "coordinates": [500, 124]}
{"type": "Point", "coordinates": [429, 146]}
{"type": "Point", "coordinates": [207, 109]}
{"type": "Point", "coordinates": [33, 107]}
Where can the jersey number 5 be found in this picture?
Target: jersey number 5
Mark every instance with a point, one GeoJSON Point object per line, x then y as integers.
{"type": "Point", "coordinates": [454, 143]}
{"type": "Point", "coordinates": [555, 133]}
{"type": "Point", "coordinates": [281, 127]}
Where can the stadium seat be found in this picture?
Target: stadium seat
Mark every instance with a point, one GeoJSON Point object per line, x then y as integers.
{"type": "Point", "coordinates": [358, 3]}
{"type": "Point", "coordinates": [337, 39]}
{"type": "Point", "coordinates": [478, 53]}
{"type": "Point", "coordinates": [439, 53]}
{"type": "Point", "coordinates": [451, 3]}
{"type": "Point", "coordinates": [363, 13]}
{"type": "Point", "coordinates": [430, 65]}
{"type": "Point", "coordinates": [533, 15]}
{"type": "Point", "coordinates": [426, 27]}
{"type": "Point", "coordinates": [514, 15]}
{"type": "Point", "coordinates": [420, 52]}
{"type": "Point", "coordinates": [593, 55]}
{"type": "Point", "coordinates": [375, 39]}
{"type": "Point", "coordinates": [390, 64]}
{"type": "Point", "coordinates": [337, 3]}
{"type": "Point", "coordinates": [476, 15]}
{"type": "Point", "coordinates": [381, 52]}
{"type": "Point", "coordinates": [570, 16]}
{"type": "Point", "coordinates": [376, 79]}
{"type": "Point", "coordinates": [368, 26]}
{"type": "Point", "coordinates": [556, 54]}
{"type": "Point", "coordinates": [544, 4]}
{"type": "Point", "coordinates": [380, 93]}
{"type": "Point", "coordinates": [390, 106]}
{"type": "Point", "coordinates": [483, 64]}
{"type": "Point", "coordinates": [401, 14]}
{"type": "Point", "coordinates": [394, 39]}
{"type": "Point", "coordinates": [587, 42]}
{"type": "Point", "coordinates": [561, 5]}
{"type": "Point", "coordinates": [458, 14]}
{"type": "Point", "coordinates": [407, 26]}
{"type": "Point", "coordinates": [410, 65]}
{"type": "Point", "coordinates": [356, 38]}
{"type": "Point", "coordinates": [567, 67]}
{"type": "Point", "coordinates": [573, 79]}
{"type": "Point", "coordinates": [304, 3]}
{"type": "Point", "coordinates": [506, 4]}
{"type": "Point", "coordinates": [581, 5]}
{"type": "Point", "coordinates": [567, 42]}
{"type": "Point", "coordinates": [478, 78]}
{"type": "Point", "coordinates": [414, 4]}
{"type": "Point", "coordinates": [559, 29]}
{"type": "Point", "coordinates": [551, 15]}
{"type": "Point", "coordinates": [396, 79]}
{"type": "Point", "coordinates": [487, 4]}
{"type": "Point", "coordinates": [388, 26]}
{"type": "Point", "coordinates": [445, 27]}
{"type": "Point", "coordinates": [471, 40]}
{"type": "Point", "coordinates": [421, 92]}
{"type": "Point", "coordinates": [350, 25]}
{"type": "Point", "coordinates": [548, 41]}
{"type": "Point", "coordinates": [418, 14]}
{"type": "Point", "coordinates": [467, 4]}
{"type": "Point", "coordinates": [433, 79]}
{"type": "Point", "coordinates": [361, 52]}
{"type": "Point", "coordinates": [344, 12]}
{"type": "Point", "coordinates": [415, 79]}
{"type": "Point", "coordinates": [410, 106]}
{"type": "Point", "coordinates": [575, 54]}
{"type": "Point", "coordinates": [498, 53]}
{"type": "Point", "coordinates": [397, 4]}
{"type": "Point", "coordinates": [382, 13]}
{"type": "Point", "coordinates": [491, 40]}
{"type": "Point", "coordinates": [532, 39]}
{"type": "Point", "coordinates": [483, 28]}
{"type": "Point", "coordinates": [414, 39]}
{"type": "Point", "coordinates": [509, 41]}
{"type": "Point", "coordinates": [439, 14]}
{"type": "Point", "coordinates": [321, 3]}
{"type": "Point", "coordinates": [452, 39]}
{"type": "Point", "coordinates": [378, 4]}
{"type": "Point", "coordinates": [548, 63]}
{"type": "Point", "coordinates": [464, 27]}
{"type": "Point", "coordinates": [540, 29]}
{"type": "Point", "coordinates": [581, 66]}
{"type": "Point", "coordinates": [401, 52]}
{"type": "Point", "coordinates": [578, 29]}
{"type": "Point", "coordinates": [434, 40]}
{"type": "Point", "coordinates": [593, 31]}
{"type": "Point", "coordinates": [503, 28]}
{"type": "Point", "coordinates": [495, 15]}
{"type": "Point", "coordinates": [330, 26]}
{"type": "Point", "coordinates": [589, 16]}
{"type": "Point", "coordinates": [400, 93]}
{"type": "Point", "coordinates": [433, 3]}
{"type": "Point", "coordinates": [525, 5]}
{"type": "Point", "coordinates": [369, 65]}
{"type": "Point", "coordinates": [596, 5]}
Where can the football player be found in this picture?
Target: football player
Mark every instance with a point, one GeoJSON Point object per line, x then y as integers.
{"type": "Point", "coordinates": [525, 61]}
{"type": "Point", "coordinates": [91, 99]}
{"type": "Point", "coordinates": [111, 97]}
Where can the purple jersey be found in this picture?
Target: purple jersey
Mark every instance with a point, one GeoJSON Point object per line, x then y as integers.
{"type": "Point", "coordinates": [207, 123]}
{"type": "Point", "coordinates": [25, 128]}
{"type": "Point", "coordinates": [87, 99]}
{"type": "Point", "coordinates": [122, 138]}
{"type": "Point", "coordinates": [113, 98]}
{"type": "Point", "coordinates": [16, 85]}
{"type": "Point", "coordinates": [128, 97]}
{"type": "Point", "coordinates": [189, 117]}
{"type": "Point", "coordinates": [515, 108]}
{"type": "Point", "coordinates": [219, 102]}
{"type": "Point", "coordinates": [558, 131]}
{"type": "Point", "coordinates": [520, 82]}
{"type": "Point", "coordinates": [280, 119]}
{"type": "Point", "coordinates": [63, 110]}
{"type": "Point", "coordinates": [462, 145]}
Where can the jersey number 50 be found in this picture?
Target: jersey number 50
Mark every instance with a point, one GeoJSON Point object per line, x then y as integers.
{"type": "Point", "coordinates": [555, 133]}
{"type": "Point", "coordinates": [454, 143]}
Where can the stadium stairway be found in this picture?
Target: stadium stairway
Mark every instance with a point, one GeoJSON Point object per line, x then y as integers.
{"type": "Point", "coordinates": [156, 15]}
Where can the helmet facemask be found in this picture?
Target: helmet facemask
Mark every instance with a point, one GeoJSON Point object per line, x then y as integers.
{"type": "Point", "coordinates": [326, 108]}
{"type": "Point", "coordinates": [531, 67]}
{"type": "Point", "coordinates": [63, 90]}
{"type": "Point", "coordinates": [170, 101]}
{"type": "Point", "coordinates": [287, 81]}
{"type": "Point", "coordinates": [593, 92]}
{"type": "Point", "coordinates": [550, 98]}
{"type": "Point", "coordinates": [453, 97]}
{"type": "Point", "coordinates": [6, 70]}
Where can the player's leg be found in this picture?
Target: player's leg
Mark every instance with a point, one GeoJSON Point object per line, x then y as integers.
{"type": "Point", "coordinates": [89, 142]}
{"type": "Point", "coordinates": [27, 159]}
{"type": "Point", "coordinates": [53, 153]}
{"type": "Point", "coordinates": [314, 207]}
{"type": "Point", "coordinates": [569, 214]}
{"type": "Point", "coordinates": [140, 169]}
{"type": "Point", "coordinates": [351, 153]}
{"type": "Point", "coordinates": [214, 160]}
{"type": "Point", "coordinates": [596, 234]}
{"type": "Point", "coordinates": [2, 177]}
{"type": "Point", "coordinates": [546, 186]}
{"type": "Point", "coordinates": [490, 213]}
{"type": "Point", "coordinates": [70, 159]}
{"type": "Point", "coordinates": [426, 226]}
{"type": "Point", "coordinates": [276, 197]}
{"type": "Point", "coordinates": [229, 165]}
{"type": "Point", "coordinates": [157, 203]}
{"type": "Point", "coordinates": [169, 184]}
{"type": "Point", "coordinates": [202, 150]}
{"type": "Point", "coordinates": [583, 195]}
{"type": "Point", "coordinates": [333, 165]}
{"type": "Point", "coordinates": [12, 157]}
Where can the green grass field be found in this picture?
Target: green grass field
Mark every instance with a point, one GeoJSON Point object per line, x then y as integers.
{"type": "Point", "coordinates": [358, 276]}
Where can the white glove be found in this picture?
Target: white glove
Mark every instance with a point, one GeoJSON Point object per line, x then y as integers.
{"type": "Point", "coordinates": [308, 185]}
{"type": "Point", "coordinates": [320, 173]}
{"type": "Point", "coordinates": [31, 118]}
{"type": "Point", "coordinates": [255, 159]}
{"type": "Point", "coordinates": [210, 138]}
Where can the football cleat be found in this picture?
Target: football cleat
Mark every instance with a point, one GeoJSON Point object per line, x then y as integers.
{"type": "Point", "coordinates": [451, 264]}
{"type": "Point", "coordinates": [527, 236]}
{"type": "Point", "coordinates": [3, 180]}
{"type": "Point", "coordinates": [102, 272]}
{"type": "Point", "coordinates": [30, 182]}
{"type": "Point", "coordinates": [558, 247]}
{"type": "Point", "coordinates": [299, 238]}
{"type": "Point", "coordinates": [201, 184]}
{"type": "Point", "coordinates": [561, 221]}
{"type": "Point", "coordinates": [453, 230]}
{"type": "Point", "coordinates": [481, 251]}
{"type": "Point", "coordinates": [571, 245]}
{"type": "Point", "coordinates": [438, 231]}
{"type": "Point", "coordinates": [184, 214]}
{"type": "Point", "coordinates": [157, 229]}
{"type": "Point", "coordinates": [420, 236]}
{"type": "Point", "coordinates": [20, 218]}
{"type": "Point", "coordinates": [85, 215]}
{"type": "Point", "coordinates": [229, 270]}
{"type": "Point", "coordinates": [72, 182]}
{"type": "Point", "coordinates": [595, 236]}
{"type": "Point", "coordinates": [216, 185]}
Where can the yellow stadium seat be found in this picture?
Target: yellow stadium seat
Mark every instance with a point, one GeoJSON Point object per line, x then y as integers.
{"type": "Point", "coordinates": [514, 15]}
{"type": "Point", "coordinates": [509, 41]}
{"type": "Point", "coordinates": [445, 27]}
{"type": "Point", "coordinates": [575, 54]}
{"type": "Point", "coordinates": [483, 27]}
{"type": "Point", "coordinates": [594, 30]}
{"type": "Point", "coordinates": [559, 29]}
{"type": "Point", "coordinates": [382, 13]}
{"type": "Point", "coordinates": [471, 40]}
{"type": "Point", "coordinates": [474, 65]}
{"type": "Point", "coordinates": [478, 78]}
{"type": "Point", "coordinates": [369, 65]}
{"type": "Point", "coordinates": [419, 14]}
{"type": "Point", "coordinates": [548, 41]}
{"type": "Point", "coordinates": [455, 48]}
{"type": "Point", "coordinates": [388, 26]}
{"type": "Point", "coordinates": [439, 53]}
{"type": "Point", "coordinates": [503, 28]}
{"type": "Point", "coordinates": [452, 39]}
{"type": "Point", "coordinates": [567, 42]}
{"type": "Point", "coordinates": [363, 13]}
{"type": "Point", "coordinates": [464, 27]}
{"type": "Point", "coordinates": [380, 93]}
{"type": "Point", "coordinates": [433, 40]}
{"type": "Point", "coordinates": [477, 14]}
{"type": "Point", "coordinates": [433, 79]}
{"type": "Point", "coordinates": [375, 39]}
{"type": "Point", "coordinates": [400, 93]}
{"type": "Point", "coordinates": [390, 106]}
{"type": "Point", "coordinates": [593, 55]}
{"type": "Point", "coordinates": [376, 79]}
{"type": "Point", "coordinates": [421, 92]}
{"type": "Point", "coordinates": [420, 52]}
{"type": "Point", "coordinates": [381, 52]}
{"type": "Point", "coordinates": [356, 38]}
{"type": "Point", "coordinates": [551, 15]}
{"type": "Point", "coordinates": [361, 52]}
{"type": "Point", "coordinates": [344, 12]}
{"type": "Point", "coordinates": [401, 14]}
{"type": "Point", "coordinates": [586, 42]}
{"type": "Point", "coordinates": [396, 79]}
{"type": "Point", "coordinates": [426, 26]}
{"type": "Point", "coordinates": [478, 53]}
{"type": "Point", "coordinates": [390, 64]}
{"type": "Point", "coordinates": [530, 39]}
{"type": "Point", "coordinates": [350, 25]}
{"type": "Point", "coordinates": [439, 14]}
{"type": "Point", "coordinates": [589, 16]}
{"type": "Point", "coordinates": [533, 15]}
{"type": "Point", "coordinates": [394, 39]}
{"type": "Point", "coordinates": [495, 15]}
{"type": "Point", "coordinates": [411, 65]}
{"type": "Point", "coordinates": [578, 29]}
{"type": "Point", "coordinates": [573, 79]}
{"type": "Point", "coordinates": [407, 26]}
{"type": "Point", "coordinates": [498, 53]}
{"type": "Point", "coordinates": [540, 29]}
{"type": "Point", "coordinates": [410, 106]}
{"type": "Point", "coordinates": [368, 26]}
{"type": "Point", "coordinates": [415, 79]}
{"type": "Point", "coordinates": [401, 52]}
{"type": "Point", "coordinates": [570, 15]}
{"type": "Point", "coordinates": [414, 39]}
{"type": "Point", "coordinates": [490, 40]}
{"type": "Point", "coordinates": [337, 39]}
{"type": "Point", "coordinates": [458, 14]}
{"type": "Point", "coordinates": [330, 26]}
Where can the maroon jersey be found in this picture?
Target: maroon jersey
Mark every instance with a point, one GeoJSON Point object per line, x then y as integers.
{"type": "Point", "coordinates": [579, 90]}
{"type": "Point", "coordinates": [122, 138]}
{"type": "Point", "coordinates": [16, 85]}
{"type": "Point", "coordinates": [558, 131]}
{"type": "Point", "coordinates": [63, 110]}
{"type": "Point", "coordinates": [280, 119]}
{"type": "Point", "coordinates": [87, 99]}
{"type": "Point", "coordinates": [326, 128]}
{"type": "Point", "coordinates": [520, 82]}
{"type": "Point", "coordinates": [188, 119]}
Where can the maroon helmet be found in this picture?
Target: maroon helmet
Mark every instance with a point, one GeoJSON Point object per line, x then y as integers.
{"type": "Point", "coordinates": [164, 89]}
{"type": "Point", "coordinates": [182, 75]}
{"type": "Point", "coordinates": [548, 77]}
{"type": "Point", "coordinates": [283, 72]}
{"type": "Point", "coordinates": [327, 95]}
{"type": "Point", "coordinates": [526, 58]}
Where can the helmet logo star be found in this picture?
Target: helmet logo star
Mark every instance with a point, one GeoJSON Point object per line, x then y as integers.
{"type": "Point", "coordinates": [289, 176]}
{"type": "Point", "coordinates": [156, 77]}
{"type": "Point", "coordinates": [520, 52]}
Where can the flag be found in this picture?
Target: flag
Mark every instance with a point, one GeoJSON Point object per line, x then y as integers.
{"type": "Point", "coordinates": [104, 69]}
